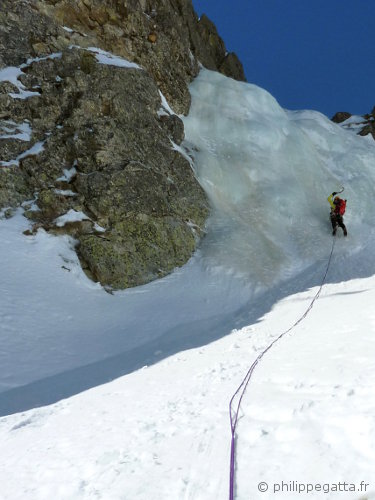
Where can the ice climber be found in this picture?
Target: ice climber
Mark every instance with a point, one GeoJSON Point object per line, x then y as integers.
{"type": "Point", "coordinates": [338, 206]}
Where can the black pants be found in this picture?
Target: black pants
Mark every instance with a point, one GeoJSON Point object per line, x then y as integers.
{"type": "Point", "coordinates": [337, 220]}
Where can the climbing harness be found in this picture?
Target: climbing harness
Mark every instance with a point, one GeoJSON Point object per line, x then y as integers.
{"type": "Point", "coordinates": [240, 392]}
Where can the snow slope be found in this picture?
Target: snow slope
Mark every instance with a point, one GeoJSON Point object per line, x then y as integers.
{"type": "Point", "coordinates": [162, 432]}
{"type": "Point", "coordinates": [61, 333]}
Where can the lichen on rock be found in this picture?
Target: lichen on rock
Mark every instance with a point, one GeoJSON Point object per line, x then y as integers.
{"type": "Point", "coordinates": [100, 141]}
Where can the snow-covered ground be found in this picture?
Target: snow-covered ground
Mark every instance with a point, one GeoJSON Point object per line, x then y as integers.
{"type": "Point", "coordinates": [162, 431]}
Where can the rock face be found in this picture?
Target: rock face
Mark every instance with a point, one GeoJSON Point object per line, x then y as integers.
{"type": "Point", "coordinates": [85, 132]}
{"type": "Point", "coordinates": [164, 36]}
{"type": "Point", "coordinates": [363, 125]}
{"type": "Point", "coordinates": [341, 116]}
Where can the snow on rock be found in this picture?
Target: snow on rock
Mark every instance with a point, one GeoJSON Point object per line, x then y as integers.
{"type": "Point", "coordinates": [165, 107]}
{"type": "Point", "coordinates": [354, 120]}
{"type": "Point", "coordinates": [356, 124]}
{"type": "Point", "coordinates": [11, 74]}
{"type": "Point", "coordinates": [183, 152]}
{"type": "Point", "coordinates": [68, 174]}
{"type": "Point", "coordinates": [71, 216]}
{"type": "Point", "coordinates": [35, 149]}
{"type": "Point", "coordinates": [65, 192]}
{"type": "Point", "coordinates": [31, 60]}
{"type": "Point", "coordinates": [12, 130]}
{"type": "Point", "coordinates": [99, 229]}
{"type": "Point", "coordinates": [110, 59]}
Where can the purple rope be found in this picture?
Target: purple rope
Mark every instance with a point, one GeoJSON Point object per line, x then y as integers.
{"type": "Point", "coordinates": [233, 413]}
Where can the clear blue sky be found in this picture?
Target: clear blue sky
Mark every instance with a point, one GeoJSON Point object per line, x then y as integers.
{"type": "Point", "coordinates": [310, 54]}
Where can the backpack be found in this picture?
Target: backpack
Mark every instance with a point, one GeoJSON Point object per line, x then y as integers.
{"type": "Point", "coordinates": [340, 207]}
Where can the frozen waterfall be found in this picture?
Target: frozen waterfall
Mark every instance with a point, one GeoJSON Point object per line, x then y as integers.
{"type": "Point", "coordinates": [268, 173]}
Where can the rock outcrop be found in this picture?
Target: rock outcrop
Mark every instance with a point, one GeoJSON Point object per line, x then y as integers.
{"type": "Point", "coordinates": [363, 124]}
{"type": "Point", "coordinates": [84, 128]}
{"type": "Point", "coordinates": [164, 36]}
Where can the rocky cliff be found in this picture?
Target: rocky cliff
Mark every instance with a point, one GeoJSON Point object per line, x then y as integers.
{"type": "Point", "coordinates": [88, 133]}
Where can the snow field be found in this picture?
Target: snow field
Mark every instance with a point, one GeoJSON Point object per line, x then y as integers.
{"type": "Point", "coordinates": [163, 432]}
{"type": "Point", "coordinates": [311, 414]}
{"type": "Point", "coordinates": [55, 320]}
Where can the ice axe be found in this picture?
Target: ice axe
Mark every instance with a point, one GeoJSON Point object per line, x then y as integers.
{"type": "Point", "coordinates": [339, 192]}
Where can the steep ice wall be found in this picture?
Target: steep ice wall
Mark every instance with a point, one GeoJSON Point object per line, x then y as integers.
{"type": "Point", "coordinates": [268, 173]}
